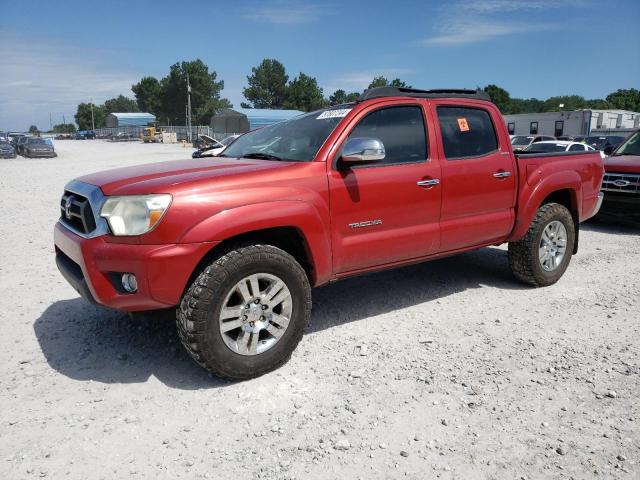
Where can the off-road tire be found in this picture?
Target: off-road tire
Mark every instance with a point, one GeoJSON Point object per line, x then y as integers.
{"type": "Point", "coordinates": [198, 313]}
{"type": "Point", "coordinates": [523, 255]}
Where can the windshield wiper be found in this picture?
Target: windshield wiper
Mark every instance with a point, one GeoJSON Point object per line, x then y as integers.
{"type": "Point", "coordinates": [261, 156]}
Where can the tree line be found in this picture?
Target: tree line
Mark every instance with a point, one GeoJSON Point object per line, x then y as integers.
{"type": "Point", "coordinates": [270, 86]}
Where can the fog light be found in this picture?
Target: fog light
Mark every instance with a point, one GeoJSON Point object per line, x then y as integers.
{"type": "Point", "coordinates": [129, 282]}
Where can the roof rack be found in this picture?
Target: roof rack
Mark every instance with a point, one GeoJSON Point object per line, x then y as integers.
{"type": "Point", "coordinates": [380, 92]}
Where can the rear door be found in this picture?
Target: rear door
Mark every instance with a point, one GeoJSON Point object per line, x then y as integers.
{"type": "Point", "coordinates": [386, 211]}
{"type": "Point", "coordinates": [478, 174]}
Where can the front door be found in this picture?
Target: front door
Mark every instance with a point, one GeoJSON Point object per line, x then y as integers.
{"type": "Point", "coordinates": [386, 211]}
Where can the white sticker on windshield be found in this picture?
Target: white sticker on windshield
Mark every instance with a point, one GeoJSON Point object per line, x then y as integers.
{"type": "Point", "coordinates": [334, 113]}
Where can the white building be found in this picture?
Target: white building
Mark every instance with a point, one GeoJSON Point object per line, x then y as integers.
{"type": "Point", "coordinates": [578, 122]}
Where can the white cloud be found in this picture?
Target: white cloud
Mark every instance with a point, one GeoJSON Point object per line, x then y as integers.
{"type": "Point", "coordinates": [473, 31]}
{"type": "Point", "coordinates": [285, 12]}
{"type": "Point", "coordinates": [37, 79]}
{"type": "Point", "coordinates": [473, 21]}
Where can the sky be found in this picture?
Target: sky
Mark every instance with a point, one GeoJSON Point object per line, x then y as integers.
{"type": "Point", "coordinates": [56, 54]}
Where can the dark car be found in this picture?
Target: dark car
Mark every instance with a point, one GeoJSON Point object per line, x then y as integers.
{"type": "Point", "coordinates": [7, 150]}
{"type": "Point", "coordinates": [18, 143]}
{"type": "Point", "coordinates": [37, 147]}
{"type": "Point", "coordinates": [605, 143]}
{"type": "Point", "coordinates": [84, 135]}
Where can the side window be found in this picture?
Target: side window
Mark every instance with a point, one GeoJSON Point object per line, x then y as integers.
{"type": "Point", "coordinates": [577, 148]}
{"type": "Point", "coordinates": [401, 130]}
{"type": "Point", "coordinates": [466, 132]}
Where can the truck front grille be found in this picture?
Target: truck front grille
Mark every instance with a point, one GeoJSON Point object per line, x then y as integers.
{"type": "Point", "coordinates": [76, 213]}
{"type": "Point", "coordinates": [621, 182]}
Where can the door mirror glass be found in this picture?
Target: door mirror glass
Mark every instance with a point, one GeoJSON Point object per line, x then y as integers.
{"type": "Point", "coordinates": [363, 149]}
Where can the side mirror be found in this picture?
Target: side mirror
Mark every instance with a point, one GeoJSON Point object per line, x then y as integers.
{"type": "Point", "coordinates": [608, 150]}
{"type": "Point", "coordinates": [359, 150]}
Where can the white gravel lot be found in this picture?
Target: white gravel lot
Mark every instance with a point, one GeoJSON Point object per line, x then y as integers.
{"type": "Point", "coordinates": [449, 369]}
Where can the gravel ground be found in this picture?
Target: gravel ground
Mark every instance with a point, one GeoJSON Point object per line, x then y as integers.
{"type": "Point", "coordinates": [449, 369]}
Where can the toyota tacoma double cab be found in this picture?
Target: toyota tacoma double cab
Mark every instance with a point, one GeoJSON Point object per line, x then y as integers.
{"type": "Point", "coordinates": [235, 243]}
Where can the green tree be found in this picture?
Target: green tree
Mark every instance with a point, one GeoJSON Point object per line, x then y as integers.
{"type": "Point", "coordinates": [147, 93]}
{"type": "Point", "coordinates": [120, 104]}
{"type": "Point", "coordinates": [83, 116]}
{"type": "Point", "coordinates": [303, 93]}
{"type": "Point", "coordinates": [598, 104]}
{"type": "Point", "coordinates": [396, 82]}
{"type": "Point", "coordinates": [64, 128]}
{"type": "Point", "coordinates": [625, 99]}
{"type": "Point", "coordinates": [527, 105]}
{"type": "Point", "coordinates": [381, 81]}
{"type": "Point", "coordinates": [500, 97]}
{"type": "Point", "coordinates": [267, 85]}
{"type": "Point", "coordinates": [340, 96]}
{"type": "Point", "coordinates": [205, 92]}
{"type": "Point", "coordinates": [570, 102]}
{"type": "Point", "coordinates": [33, 130]}
{"type": "Point", "coordinates": [378, 82]}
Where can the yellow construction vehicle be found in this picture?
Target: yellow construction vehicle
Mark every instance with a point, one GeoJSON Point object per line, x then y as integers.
{"type": "Point", "coordinates": [151, 134]}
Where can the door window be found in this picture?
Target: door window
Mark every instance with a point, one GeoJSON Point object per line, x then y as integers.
{"type": "Point", "coordinates": [401, 130]}
{"type": "Point", "coordinates": [577, 148]}
{"type": "Point", "coordinates": [466, 132]}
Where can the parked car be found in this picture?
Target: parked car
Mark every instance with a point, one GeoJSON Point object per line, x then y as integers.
{"type": "Point", "coordinates": [237, 242]}
{"type": "Point", "coordinates": [19, 142]}
{"type": "Point", "coordinates": [84, 135]}
{"type": "Point", "coordinates": [622, 180]}
{"type": "Point", "coordinates": [7, 150]}
{"type": "Point", "coordinates": [212, 147]}
{"type": "Point", "coordinates": [123, 137]}
{"type": "Point", "coordinates": [605, 143]}
{"type": "Point", "coordinates": [520, 142]}
{"type": "Point", "coordinates": [37, 147]}
{"type": "Point", "coordinates": [549, 146]}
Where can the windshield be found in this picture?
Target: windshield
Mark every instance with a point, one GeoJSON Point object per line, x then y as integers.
{"type": "Point", "coordinates": [296, 140]}
{"type": "Point", "coordinates": [521, 140]}
{"type": "Point", "coordinates": [631, 146]}
{"type": "Point", "coordinates": [545, 147]}
{"type": "Point", "coordinates": [36, 141]}
{"type": "Point", "coordinates": [596, 141]}
{"type": "Point", "coordinates": [228, 141]}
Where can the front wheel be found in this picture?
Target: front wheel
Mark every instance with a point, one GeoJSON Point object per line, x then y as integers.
{"type": "Point", "coordinates": [245, 313]}
{"type": "Point", "coordinates": [543, 255]}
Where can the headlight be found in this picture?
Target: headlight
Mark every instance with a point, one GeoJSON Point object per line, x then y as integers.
{"type": "Point", "coordinates": [134, 214]}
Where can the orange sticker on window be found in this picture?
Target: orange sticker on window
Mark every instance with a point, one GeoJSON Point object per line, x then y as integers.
{"type": "Point", "coordinates": [463, 125]}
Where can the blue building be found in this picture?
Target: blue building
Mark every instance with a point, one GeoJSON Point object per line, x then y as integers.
{"type": "Point", "coordinates": [129, 119]}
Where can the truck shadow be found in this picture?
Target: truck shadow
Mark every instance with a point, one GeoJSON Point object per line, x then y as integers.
{"type": "Point", "coordinates": [85, 342]}
{"type": "Point", "coordinates": [612, 224]}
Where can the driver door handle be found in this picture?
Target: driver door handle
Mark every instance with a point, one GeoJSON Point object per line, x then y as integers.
{"type": "Point", "coordinates": [502, 174]}
{"type": "Point", "coordinates": [428, 183]}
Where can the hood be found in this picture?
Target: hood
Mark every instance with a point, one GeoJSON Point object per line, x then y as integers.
{"type": "Point", "coordinates": [164, 177]}
{"type": "Point", "coordinates": [622, 163]}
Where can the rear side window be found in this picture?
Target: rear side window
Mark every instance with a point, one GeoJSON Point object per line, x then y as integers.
{"type": "Point", "coordinates": [401, 130]}
{"type": "Point", "coordinates": [577, 148]}
{"type": "Point", "coordinates": [466, 132]}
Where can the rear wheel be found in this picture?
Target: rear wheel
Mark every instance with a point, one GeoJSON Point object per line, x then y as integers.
{"type": "Point", "coordinates": [245, 313]}
{"type": "Point", "coordinates": [544, 253]}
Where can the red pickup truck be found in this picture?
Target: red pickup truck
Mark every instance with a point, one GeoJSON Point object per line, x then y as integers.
{"type": "Point", "coordinates": [236, 242]}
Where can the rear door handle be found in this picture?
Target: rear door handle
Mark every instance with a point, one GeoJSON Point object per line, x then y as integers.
{"type": "Point", "coordinates": [428, 183]}
{"type": "Point", "coordinates": [502, 174]}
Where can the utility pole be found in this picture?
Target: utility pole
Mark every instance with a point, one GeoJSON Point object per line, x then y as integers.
{"type": "Point", "coordinates": [50, 123]}
{"type": "Point", "coordinates": [189, 109]}
{"type": "Point", "coordinates": [93, 123]}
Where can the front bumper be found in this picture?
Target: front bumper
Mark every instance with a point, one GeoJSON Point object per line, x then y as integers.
{"type": "Point", "coordinates": [621, 204]}
{"type": "Point", "coordinates": [48, 154]}
{"type": "Point", "coordinates": [93, 267]}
